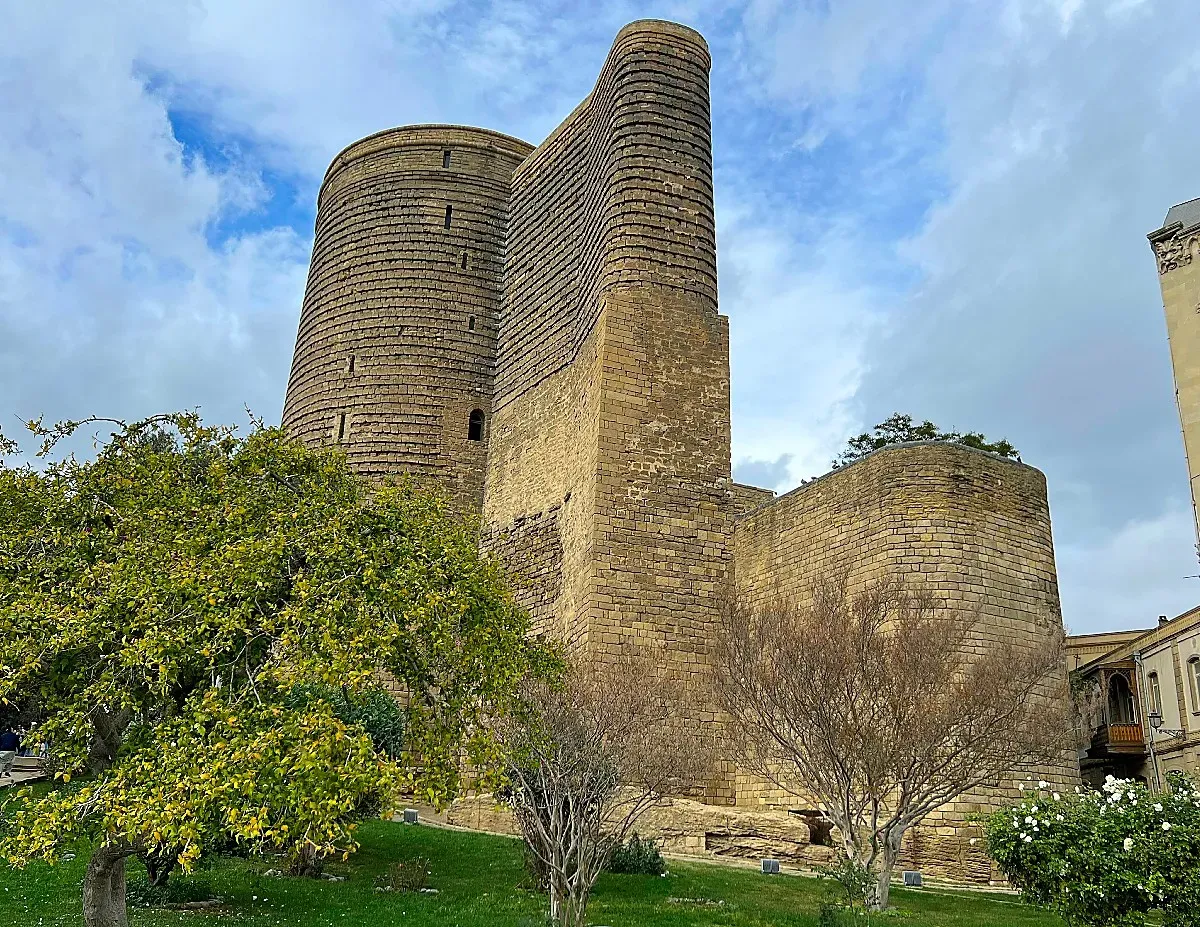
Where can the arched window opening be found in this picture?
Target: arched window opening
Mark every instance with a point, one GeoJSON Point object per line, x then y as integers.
{"type": "Point", "coordinates": [1194, 683]}
{"type": "Point", "coordinates": [1155, 693]}
{"type": "Point", "coordinates": [471, 323]}
{"type": "Point", "coordinates": [1120, 700]}
{"type": "Point", "coordinates": [475, 426]}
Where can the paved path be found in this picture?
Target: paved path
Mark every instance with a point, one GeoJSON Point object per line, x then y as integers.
{"type": "Point", "coordinates": [26, 769]}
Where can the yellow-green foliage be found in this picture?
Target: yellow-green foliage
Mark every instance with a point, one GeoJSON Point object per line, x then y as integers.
{"type": "Point", "coordinates": [160, 601]}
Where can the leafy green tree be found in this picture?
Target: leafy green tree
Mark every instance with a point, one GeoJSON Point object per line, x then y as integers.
{"type": "Point", "coordinates": [898, 429]}
{"type": "Point", "coordinates": [163, 603]}
{"type": "Point", "coordinates": [1105, 859]}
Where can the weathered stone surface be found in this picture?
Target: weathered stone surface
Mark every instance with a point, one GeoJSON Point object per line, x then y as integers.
{"type": "Point", "coordinates": [686, 828]}
{"type": "Point", "coordinates": [584, 326]}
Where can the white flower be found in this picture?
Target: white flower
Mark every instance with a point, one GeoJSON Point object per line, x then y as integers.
{"type": "Point", "coordinates": [1042, 784]}
{"type": "Point", "coordinates": [1128, 844]}
{"type": "Point", "coordinates": [1158, 806]}
{"type": "Point", "coordinates": [972, 841]}
{"type": "Point", "coordinates": [1034, 809]}
{"type": "Point", "coordinates": [1057, 797]}
{"type": "Point", "coordinates": [1028, 839]}
{"type": "Point", "coordinates": [1166, 825]}
{"type": "Point", "coordinates": [1058, 817]}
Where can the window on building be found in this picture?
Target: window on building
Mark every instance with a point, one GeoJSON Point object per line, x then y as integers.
{"type": "Point", "coordinates": [471, 323]}
{"type": "Point", "coordinates": [449, 214]}
{"type": "Point", "coordinates": [350, 364]}
{"type": "Point", "coordinates": [1155, 693]}
{"type": "Point", "coordinates": [464, 260]}
{"type": "Point", "coordinates": [1120, 700]}
{"type": "Point", "coordinates": [341, 426]}
{"type": "Point", "coordinates": [445, 158]}
{"type": "Point", "coordinates": [475, 426]}
{"type": "Point", "coordinates": [1194, 683]}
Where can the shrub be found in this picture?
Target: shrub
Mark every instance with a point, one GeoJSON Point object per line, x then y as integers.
{"type": "Point", "coordinates": [406, 875]}
{"type": "Point", "coordinates": [1105, 858]}
{"type": "Point", "coordinates": [852, 877]}
{"type": "Point", "coordinates": [637, 857]}
{"type": "Point", "coordinates": [140, 893]}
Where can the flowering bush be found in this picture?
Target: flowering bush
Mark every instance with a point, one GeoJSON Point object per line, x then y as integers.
{"type": "Point", "coordinates": [1105, 858]}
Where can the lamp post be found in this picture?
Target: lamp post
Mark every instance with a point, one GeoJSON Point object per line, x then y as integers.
{"type": "Point", "coordinates": [1156, 727]}
{"type": "Point", "coordinates": [1151, 716]}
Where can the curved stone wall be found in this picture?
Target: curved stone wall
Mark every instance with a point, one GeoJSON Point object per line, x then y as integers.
{"type": "Point", "coordinates": [620, 195]}
{"type": "Point", "coordinates": [397, 337]}
{"type": "Point", "coordinates": [971, 527]}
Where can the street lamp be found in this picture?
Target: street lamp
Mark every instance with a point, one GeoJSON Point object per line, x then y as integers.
{"type": "Point", "coordinates": [1156, 722]}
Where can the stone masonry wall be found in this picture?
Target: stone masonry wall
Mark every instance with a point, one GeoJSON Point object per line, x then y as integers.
{"type": "Point", "coordinates": [612, 378]}
{"type": "Point", "coordinates": [397, 336]}
{"type": "Point", "coordinates": [971, 527]}
{"type": "Point", "coordinates": [1177, 255]}
{"type": "Point", "coordinates": [620, 194]}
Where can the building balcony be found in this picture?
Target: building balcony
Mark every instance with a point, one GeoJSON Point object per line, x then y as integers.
{"type": "Point", "coordinates": [1118, 737]}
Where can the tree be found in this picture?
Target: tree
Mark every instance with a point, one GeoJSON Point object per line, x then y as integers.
{"type": "Point", "coordinates": [586, 758]}
{"type": "Point", "coordinates": [879, 706]}
{"type": "Point", "coordinates": [898, 429]}
{"type": "Point", "coordinates": [164, 602]}
{"type": "Point", "coordinates": [1107, 858]}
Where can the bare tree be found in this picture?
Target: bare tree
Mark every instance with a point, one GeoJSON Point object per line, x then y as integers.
{"type": "Point", "coordinates": [883, 707]}
{"type": "Point", "coordinates": [593, 753]}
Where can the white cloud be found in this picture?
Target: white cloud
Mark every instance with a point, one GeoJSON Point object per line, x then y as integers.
{"type": "Point", "coordinates": [114, 301]}
{"type": "Point", "coordinates": [1127, 578]}
{"type": "Point", "coordinates": [1060, 137]}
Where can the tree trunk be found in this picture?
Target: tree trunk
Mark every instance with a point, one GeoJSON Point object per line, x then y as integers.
{"type": "Point", "coordinates": [104, 888]}
{"type": "Point", "coordinates": [883, 887]}
{"type": "Point", "coordinates": [307, 863]}
{"type": "Point", "coordinates": [159, 866]}
{"type": "Point", "coordinates": [887, 865]}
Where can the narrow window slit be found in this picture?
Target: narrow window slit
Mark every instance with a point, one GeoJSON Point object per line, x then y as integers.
{"type": "Point", "coordinates": [445, 159]}
{"type": "Point", "coordinates": [350, 364]}
{"type": "Point", "coordinates": [464, 260]}
{"type": "Point", "coordinates": [341, 426]}
{"type": "Point", "coordinates": [475, 426]}
{"type": "Point", "coordinates": [449, 215]}
{"type": "Point", "coordinates": [471, 323]}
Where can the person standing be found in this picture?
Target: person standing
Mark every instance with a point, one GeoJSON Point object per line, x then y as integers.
{"type": "Point", "coordinates": [9, 745]}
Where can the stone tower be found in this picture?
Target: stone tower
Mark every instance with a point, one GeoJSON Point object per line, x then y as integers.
{"type": "Point", "coordinates": [396, 348]}
{"type": "Point", "coordinates": [1177, 251]}
{"type": "Point", "coordinates": [538, 330]}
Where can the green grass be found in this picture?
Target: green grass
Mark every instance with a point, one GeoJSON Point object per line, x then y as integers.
{"type": "Point", "coordinates": [479, 881]}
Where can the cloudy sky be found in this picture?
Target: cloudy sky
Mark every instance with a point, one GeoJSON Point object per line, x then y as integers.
{"type": "Point", "coordinates": [934, 206]}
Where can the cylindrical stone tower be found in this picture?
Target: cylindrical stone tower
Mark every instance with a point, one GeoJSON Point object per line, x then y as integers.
{"type": "Point", "coordinates": [396, 347]}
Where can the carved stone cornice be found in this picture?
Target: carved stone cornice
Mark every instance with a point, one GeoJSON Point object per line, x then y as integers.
{"type": "Point", "coordinates": [1173, 247]}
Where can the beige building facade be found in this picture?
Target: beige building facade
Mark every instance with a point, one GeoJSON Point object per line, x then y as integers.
{"type": "Point", "coordinates": [1140, 704]}
{"type": "Point", "coordinates": [1177, 253]}
{"type": "Point", "coordinates": [537, 329]}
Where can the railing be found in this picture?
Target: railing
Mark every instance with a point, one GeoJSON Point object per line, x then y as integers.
{"type": "Point", "coordinates": [1125, 735]}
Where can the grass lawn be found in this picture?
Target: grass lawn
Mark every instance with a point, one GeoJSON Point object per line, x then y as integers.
{"type": "Point", "coordinates": [479, 882]}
